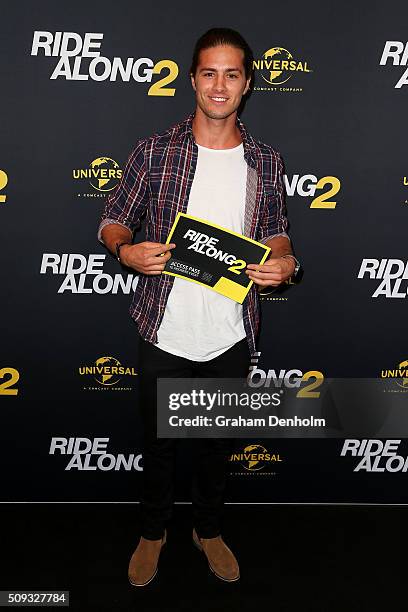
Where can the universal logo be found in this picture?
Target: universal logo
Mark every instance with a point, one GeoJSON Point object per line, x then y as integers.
{"type": "Point", "coordinates": [107, 372]}
{"type": "Point", "coordinates": [103, 175]}
{"type": "Point", "coordinates": [254, 458]}
{"type": "Point", "coordinates": [399, 376]}
{"type": "Point", "coordinates": [276, 67]}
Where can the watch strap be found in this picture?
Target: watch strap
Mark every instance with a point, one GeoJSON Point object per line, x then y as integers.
{"type": "Point", "coordinates": [297, 263]}
{"type": "Point", "coordinates": [117, 248]}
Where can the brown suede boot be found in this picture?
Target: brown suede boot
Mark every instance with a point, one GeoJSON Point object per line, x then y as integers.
{"type": "Point", "coordinates": [143, 563]}
{"type": "Point", "coordinates": [220, 558]}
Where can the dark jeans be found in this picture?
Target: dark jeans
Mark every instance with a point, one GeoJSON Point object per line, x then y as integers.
{"type": "Point", "coordinates": [211, 466]}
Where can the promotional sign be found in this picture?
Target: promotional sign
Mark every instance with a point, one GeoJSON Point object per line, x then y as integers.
{"type": "Point", "coordinates": [213, 256]}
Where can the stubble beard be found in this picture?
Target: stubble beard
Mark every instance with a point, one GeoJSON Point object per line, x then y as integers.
{"type": "Point", "coordinates": [221, 114]}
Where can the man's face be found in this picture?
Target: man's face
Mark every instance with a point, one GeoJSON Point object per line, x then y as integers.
{"type": "Point", "coordinates": [219, 81]}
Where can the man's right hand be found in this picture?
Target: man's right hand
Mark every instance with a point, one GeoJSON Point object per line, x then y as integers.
{"type": "Point", "coordinates": [146, 257]}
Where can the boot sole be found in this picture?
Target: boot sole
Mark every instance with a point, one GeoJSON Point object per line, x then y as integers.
{"type": "Point", "coordinates": [135, 584]}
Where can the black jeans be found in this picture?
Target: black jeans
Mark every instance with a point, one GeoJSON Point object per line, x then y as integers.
{"type": "Point", "coordinates": [210, 474]}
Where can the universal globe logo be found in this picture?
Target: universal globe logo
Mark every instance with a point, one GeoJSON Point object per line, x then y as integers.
{"type": "Point", "coordinates": [254, 458]}
{"type": "Point", "coordinates": [107, 371]}
{"type": "Point", "coordinates": [279, 60]}
{"type": "Point", "coordinates": [398, 374]}
{"type": "Point", "coordinates": [277, 66]}
{"type": "Point", "coordinates": [103, 174]}
{"type": "Point", "coordinates": [110, 367]}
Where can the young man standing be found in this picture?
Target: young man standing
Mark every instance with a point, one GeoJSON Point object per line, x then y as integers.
{"type": "Point", "coordinates": [210, 167]}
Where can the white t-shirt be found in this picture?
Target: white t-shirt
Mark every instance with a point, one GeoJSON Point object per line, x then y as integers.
{"type": "Point", "coordinates": [199, 323]}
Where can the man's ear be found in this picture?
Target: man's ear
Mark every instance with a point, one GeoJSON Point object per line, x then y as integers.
{"type": "Point", "coordinates": [193, 81]}
{"type": "Point", "coordinates": [247, 87]}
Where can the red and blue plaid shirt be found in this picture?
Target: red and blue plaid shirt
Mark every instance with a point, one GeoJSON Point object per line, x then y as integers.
{"type": "Point", "coordinates": [157, 181]}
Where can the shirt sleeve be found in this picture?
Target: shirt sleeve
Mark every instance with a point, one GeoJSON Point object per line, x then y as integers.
{"type": "Point", "coordinates": [126, 205]}
{"type": "Point", "coordinates": [273, 220]}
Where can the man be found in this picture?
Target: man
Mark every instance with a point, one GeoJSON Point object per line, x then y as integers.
{"type": "Point", "coordinates": [210, 167]}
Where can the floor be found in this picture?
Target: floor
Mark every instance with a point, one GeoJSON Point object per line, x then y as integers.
{"type": "Point", "coordinates": [292, 558]}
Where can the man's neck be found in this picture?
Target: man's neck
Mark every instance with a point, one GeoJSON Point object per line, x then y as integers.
{"type": "Point", "coordinates": [216, 133]}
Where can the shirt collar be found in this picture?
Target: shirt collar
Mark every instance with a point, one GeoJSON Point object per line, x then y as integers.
{"type": "Point", "coordinates": [185, 132]}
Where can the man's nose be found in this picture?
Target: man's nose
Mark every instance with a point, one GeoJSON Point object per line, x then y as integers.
{"type": "Point", "coordinates": [219, 83]}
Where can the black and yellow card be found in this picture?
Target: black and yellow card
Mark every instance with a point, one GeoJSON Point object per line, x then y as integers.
{"type": "Point", "coordinates": [213, 256]}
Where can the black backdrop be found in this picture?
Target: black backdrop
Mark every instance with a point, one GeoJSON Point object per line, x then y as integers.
{"type": "Point", "coordinates": [341, 117]}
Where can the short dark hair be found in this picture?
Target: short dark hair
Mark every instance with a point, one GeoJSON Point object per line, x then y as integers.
{"type": "Point", "coordinates": [223, 36]}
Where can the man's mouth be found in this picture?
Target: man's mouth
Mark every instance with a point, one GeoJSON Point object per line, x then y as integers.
{"type": "Point", "coordinates": [218, 99]}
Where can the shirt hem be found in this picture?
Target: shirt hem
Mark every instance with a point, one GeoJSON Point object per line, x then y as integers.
{"type": "Point", "coordinates": [190, 357]}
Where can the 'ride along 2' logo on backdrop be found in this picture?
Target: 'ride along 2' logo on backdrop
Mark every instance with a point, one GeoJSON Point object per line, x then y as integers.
{"type": "Point", "coordinates": [80, 59]}
{"type": "Point", "coordinates": [397, 52]}
{"type": "Point", "coordinates": [84, 274]}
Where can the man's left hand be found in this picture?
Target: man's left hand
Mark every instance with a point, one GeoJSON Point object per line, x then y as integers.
{"type": "Point", "coordinates": [273, 272]}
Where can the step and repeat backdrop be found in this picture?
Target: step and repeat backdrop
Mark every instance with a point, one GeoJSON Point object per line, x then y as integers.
{"type": "Point", "coordinates": [79, 85]}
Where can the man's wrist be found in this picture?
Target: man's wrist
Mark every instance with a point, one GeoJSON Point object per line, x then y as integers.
{"type": "Point", "coordinates": [118, 250]}
{"type": "Point", "coordinates": [295, 262]}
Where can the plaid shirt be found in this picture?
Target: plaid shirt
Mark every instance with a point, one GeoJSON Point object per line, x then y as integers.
{"type": "Point", "coordinates": [157, 181]}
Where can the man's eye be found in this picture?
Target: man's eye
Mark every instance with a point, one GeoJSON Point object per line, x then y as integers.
{"type": "Point", "coordinates": [233, 76]}
{"type": "Point", "coordinates": [208, 74]}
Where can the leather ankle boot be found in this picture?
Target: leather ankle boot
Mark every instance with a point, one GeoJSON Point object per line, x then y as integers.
{"type": "Point", "coordinates": [144, 561]}
{"type": "Point", "coordinates": [220, 558]}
